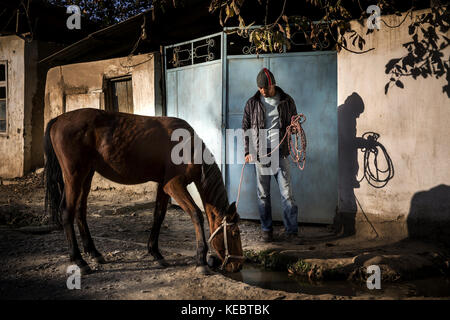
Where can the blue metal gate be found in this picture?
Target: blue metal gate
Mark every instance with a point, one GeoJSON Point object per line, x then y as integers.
{"type": "Point", "coordinates": [212, 95]}
{"type": "Point", "coordinates": [194, 91]}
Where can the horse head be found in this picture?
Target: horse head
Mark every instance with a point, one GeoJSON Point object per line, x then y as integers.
{"type": "Point", "coordinates": [226, 240]}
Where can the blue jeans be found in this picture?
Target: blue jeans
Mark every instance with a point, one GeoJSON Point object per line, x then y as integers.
{"type": "Point", "coordinates": [290, 209]}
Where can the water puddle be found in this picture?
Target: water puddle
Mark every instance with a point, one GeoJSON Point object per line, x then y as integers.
{"type": "Point", "coordinates": [274, 280]}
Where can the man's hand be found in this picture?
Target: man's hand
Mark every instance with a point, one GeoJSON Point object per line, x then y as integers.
{"type": "Point", "coordinates": [248, 158]}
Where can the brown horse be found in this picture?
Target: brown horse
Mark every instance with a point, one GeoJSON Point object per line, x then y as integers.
{"type": "Point", "coordinates": [132, 149]}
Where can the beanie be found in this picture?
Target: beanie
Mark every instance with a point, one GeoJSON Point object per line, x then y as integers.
{"type": "Point", "coordinates": [265, 78]}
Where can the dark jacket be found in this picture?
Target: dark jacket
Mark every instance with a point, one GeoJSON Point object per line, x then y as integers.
{"type": "Point", "coordinates": [254, 118]}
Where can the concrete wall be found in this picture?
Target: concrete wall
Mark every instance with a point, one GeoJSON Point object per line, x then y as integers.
{"type": "Point", "coordinates": [413, 125]}
{"type": "Point", "coordinates": [81, 85]}
{"type": "Point", "coordinates": [12, 49]}
{"type": "Point", "coordinates": [21, 146]}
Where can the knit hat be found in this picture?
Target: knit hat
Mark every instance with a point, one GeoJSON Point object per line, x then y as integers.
{"type": "Point", "coordinates": [265, 78]}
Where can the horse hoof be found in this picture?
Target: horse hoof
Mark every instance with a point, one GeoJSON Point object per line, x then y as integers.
{"type": "Point", "coordinates": [213, 261]}
{"type": "Point", "coordinates": [162, 263]}
{"type": "Point", "coordinates": [85, 270]}
{"type": "Point", "coordinates": [203, 270]}
{"type": "Point", "coordinates": [100, 260]}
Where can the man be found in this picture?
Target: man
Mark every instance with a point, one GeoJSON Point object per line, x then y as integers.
{"type": "Point", "coordinates": [270, 111]}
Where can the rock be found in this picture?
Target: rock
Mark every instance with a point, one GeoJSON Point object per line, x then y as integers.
{"type": "Point", "coordinates": [377, 260]}
{"type": "Point", "coordinates": [361, 258]}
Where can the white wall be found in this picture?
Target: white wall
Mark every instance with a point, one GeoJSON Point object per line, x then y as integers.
{"type": "Point", "coordinates": [80, 85]}
{"type": "Point", "coordinates": [413, 124]}
{"type": "Point", "coordinates": [12, 142]}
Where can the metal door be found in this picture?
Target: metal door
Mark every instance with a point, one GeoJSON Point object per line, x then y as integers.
{"type": "Point", "coordinates": [194, 92]}
{"type": "Point", "coordinates": [211, 96]}
{"type": "Point", "coordinates": [311, 79]}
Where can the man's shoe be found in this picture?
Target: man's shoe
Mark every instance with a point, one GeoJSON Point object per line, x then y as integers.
{"type": "Point", "coordinates": [267, 236]}
{"type": "Point", "coordinates": [290, 237]}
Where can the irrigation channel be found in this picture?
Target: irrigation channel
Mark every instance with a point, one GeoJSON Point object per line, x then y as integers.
{"type": "Point", "coordinates": [277, 280]}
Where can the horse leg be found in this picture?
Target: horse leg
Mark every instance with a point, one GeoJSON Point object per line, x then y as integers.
{"type": "Point", "coordinates": [72, 192]}
{"type": "Point", "coordinates": [88, 243]}
{"type": "Point", "coordinates": [178, 191]}
{"type": "Point", "coordinates": [162, 199]}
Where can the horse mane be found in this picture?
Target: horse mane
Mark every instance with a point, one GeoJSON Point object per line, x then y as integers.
{"type": "Point", "coordinates": [213, 186]}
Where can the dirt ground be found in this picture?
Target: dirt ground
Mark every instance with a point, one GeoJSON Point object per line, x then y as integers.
{"type": "Point", "coordinates": [33, 266]}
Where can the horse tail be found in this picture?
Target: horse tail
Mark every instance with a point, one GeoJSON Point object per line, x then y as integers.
{"type": "Point", "coordinates": [54, 184]}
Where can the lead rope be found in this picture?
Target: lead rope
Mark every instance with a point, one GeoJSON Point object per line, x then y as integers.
{"type": "Point", "coordinates": [298, 154]}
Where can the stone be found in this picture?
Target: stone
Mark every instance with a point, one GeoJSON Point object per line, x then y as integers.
{"type": "Point", "coordinates": [377, 260]}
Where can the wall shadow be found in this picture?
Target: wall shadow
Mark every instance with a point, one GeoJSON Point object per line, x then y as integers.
{"type": "Point", "coordinates": [349, 145]}
{"type": "Point", "coordinates": [425, 54]}
{"type": "Point", "coordinates": [429, 215]}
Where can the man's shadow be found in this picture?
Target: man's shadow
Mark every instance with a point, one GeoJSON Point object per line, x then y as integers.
{"type": "Point", "coordinates": [348, 146]}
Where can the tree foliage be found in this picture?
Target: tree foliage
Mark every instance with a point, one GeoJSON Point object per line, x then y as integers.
{"type": "Point", "coordinates": [272, 36]}
{"type": "Point", "coordinates": [333, 25]}
{"type": "Point", "coordinates": [107, 12]}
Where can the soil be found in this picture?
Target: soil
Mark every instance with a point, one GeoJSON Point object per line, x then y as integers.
{"type": "Point", "coordinates": [34, 266]}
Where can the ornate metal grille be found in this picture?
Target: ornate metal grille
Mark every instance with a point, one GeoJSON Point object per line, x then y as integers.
{"type": "Point", "coordinates": [195, 52]}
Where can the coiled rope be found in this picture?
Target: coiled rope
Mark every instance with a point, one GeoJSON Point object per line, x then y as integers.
{"type": "Point", "coordinates": [297, 149]}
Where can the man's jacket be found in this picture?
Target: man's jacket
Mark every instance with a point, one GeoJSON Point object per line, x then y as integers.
{"type": "Point", "coordinates": [254, 118]}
